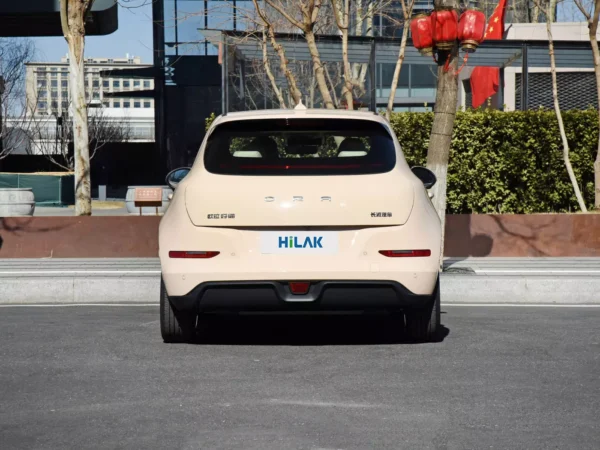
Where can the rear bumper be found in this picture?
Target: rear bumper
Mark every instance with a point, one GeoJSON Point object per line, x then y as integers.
{"type": "Point", "coordinates": [276, 296]}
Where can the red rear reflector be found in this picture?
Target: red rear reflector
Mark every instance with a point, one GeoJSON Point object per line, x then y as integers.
{"type": "Point", "coordinates": [197, 255]}
{"type": "Point", "coordinates": [405, 253]}
{"type": "Point", "coordinates": [299, 288]}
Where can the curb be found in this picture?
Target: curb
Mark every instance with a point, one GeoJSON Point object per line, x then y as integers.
{"type": "Point", "coordinates": [551, 281]}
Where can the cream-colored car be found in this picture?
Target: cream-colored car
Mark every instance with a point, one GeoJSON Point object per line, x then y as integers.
{"type": "Point", "coordinates": [300, 210]}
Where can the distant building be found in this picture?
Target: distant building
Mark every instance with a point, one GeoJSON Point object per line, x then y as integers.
{"type": "Point", "coordinates": [47, 85]}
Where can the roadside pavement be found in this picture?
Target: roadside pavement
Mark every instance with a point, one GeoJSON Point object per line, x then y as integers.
{"type": "Point", "coordinates": [560, 281]}
{"type": "Point", "coordinates": [502, 378]}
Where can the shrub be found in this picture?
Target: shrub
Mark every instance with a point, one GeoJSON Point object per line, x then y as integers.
{"type": "Point", "coordinates": [509, 162]}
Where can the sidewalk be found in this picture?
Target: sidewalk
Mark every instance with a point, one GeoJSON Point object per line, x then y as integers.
{"type": "Point", "coordinates": [564, 281]}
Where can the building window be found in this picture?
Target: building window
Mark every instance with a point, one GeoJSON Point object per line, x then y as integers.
{"type": "Point", "coordinates": [42, 92]}
{"type": "Point", "coordinates": [64, 94]}
{"type": "Point", "coordinates": [136, 104]}
{"type": "Point", "coordinates": [111, 61]}
{"type": "Point", "coordinates": [106, 104]}
{"type": "Point", "coordinates": [42, 83]}
{"type": "Point", "coordinates": [64, 83]}
{"type": "Point", "coordinates": [130, 60]}
{"type": "Point", "coordinates": [125, 83]}
{"type": "Point", "coordinates": [54, 83]}
{"type": "Point", "coordinates": [146, 83]}
{"type": "Point", "coordinates": [42, 105]}
{"type": "Point", "coordinates": [64, 69]}
{"type": "Point", "coordinates": [96, 95]}
{"type": "Point", "coordinates": [116, 104]}
{"type": "Point", "coordinates": [136, 83]}
{"type": "Point", "coordinates": [105, 83]}
{"type": "Point", "coordinates": [54, 104]}
{"type": "Point", "coordinates": [116, 83]}
{"type": "Point", "coordinates": [54, 94]}
{"type": "Point", "coordinates": [54, 69]}
{"type": "Point", "coordinates": [54, 74]}
{"type": "Point", "coordinates": [64, 105]}
{"type": "Point", "coordinates": [126, 104]}
{"type": "Point", "coordinates": [96, 83]}
{"type": "Point", "coordinates": [147, 105]}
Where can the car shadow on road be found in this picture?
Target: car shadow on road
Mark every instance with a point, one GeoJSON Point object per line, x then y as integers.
{"type": "Point", "coordinates": [304, 330]}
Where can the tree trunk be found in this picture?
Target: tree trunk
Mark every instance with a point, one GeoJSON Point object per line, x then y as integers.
{"type": "Point", "coordinates": [561, 125]}
{"type": "Point", "coordinates": [343, 20]}
{"type": "Point", "coordinates": [593, 27]}
{"type": "Point", "coordinates": [269, 73]}
{"type": "Point", "coordinates": [368, 32]}
{"type": "Point", "coordinates": [289, 76]}
{"type": "Point", "coordinates": [73, 23]}
{"type": "Point", "coordinates": [330, 81]}
{"type": "Point", "coordinates": [390, 106]}
{"type": "Point", "coordinates": [535, 15]}
{"type": "Point", "coordinates": [358, 27]}
{"type": "Point", "coordinates": [438, 152]}
{"type": "Point", "coordinates": [319, 69]}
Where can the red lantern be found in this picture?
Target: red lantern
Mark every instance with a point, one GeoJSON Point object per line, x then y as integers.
{"type": "Point", "coordinates": [471, 29]}
{"type": "Point", "coordinates": [422, 34]}
{"type": "Point", "coordinates": [445, 28]}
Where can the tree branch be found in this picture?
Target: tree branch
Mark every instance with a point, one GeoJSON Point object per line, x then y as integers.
{"type": "Point", "coordinates": [335, 5]}
{"type": "Point", "coordinates": [64, 19]}
{"type": "Point", "coordinates": [284, 13]}
{"type": "Point", "coordinates": [269, 73]}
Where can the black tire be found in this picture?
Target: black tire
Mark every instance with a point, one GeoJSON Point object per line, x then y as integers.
{"type": "Point", "coordinates": [423, 324]}
{"type": "Point", "coordinates": [175, 326]}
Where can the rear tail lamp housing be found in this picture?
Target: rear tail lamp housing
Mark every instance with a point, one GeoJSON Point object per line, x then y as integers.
{"type": "Point", "coordinates": [192, 254]}
{"type": "Point", "coordinates": [406, 253]}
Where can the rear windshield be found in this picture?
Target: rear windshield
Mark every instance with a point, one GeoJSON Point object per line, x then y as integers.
{"type": "Point", "coordinates": [300, 147]}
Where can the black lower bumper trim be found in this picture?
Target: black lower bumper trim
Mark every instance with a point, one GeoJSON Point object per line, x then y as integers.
{"type": "Point", "coordinates": [276, 296]}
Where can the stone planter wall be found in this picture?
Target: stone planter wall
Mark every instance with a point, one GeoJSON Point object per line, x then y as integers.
{"type": "Point", "coordinates": [536, 235]}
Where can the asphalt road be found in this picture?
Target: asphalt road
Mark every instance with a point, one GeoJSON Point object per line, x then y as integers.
{"type": "Point", "coordinates": [100, 377]}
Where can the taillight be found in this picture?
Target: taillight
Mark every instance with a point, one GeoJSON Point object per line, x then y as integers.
{"type": "Point", "coordinates": [299, 287]}
{"type": "Point", "coordinates": [405, 253]}
{"type": "Point", "coordinates": [197, 255]}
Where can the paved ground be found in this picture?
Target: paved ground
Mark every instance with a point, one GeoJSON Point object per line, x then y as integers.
{"type": "Point", "coordinates": [100, 377]}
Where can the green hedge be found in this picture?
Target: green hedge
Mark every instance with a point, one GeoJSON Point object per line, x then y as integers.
{"type": "Point", "coordinates": [508, 162]}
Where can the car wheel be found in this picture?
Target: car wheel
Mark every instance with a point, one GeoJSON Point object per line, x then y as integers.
{"type": "Point", "coordinates": [175, 326]}
{"type": "Point", "coordinates": [422, 325]}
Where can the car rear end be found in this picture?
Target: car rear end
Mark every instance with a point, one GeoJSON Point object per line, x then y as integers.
{"type": "Point", "coordinates": [300, 212]}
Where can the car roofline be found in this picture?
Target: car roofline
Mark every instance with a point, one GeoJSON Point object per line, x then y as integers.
{"type": "Point", "coordinates": [297, 114]}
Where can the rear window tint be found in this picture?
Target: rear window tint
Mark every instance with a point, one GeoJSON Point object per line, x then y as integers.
{"type": "Point", "coordinates": [300, 147]}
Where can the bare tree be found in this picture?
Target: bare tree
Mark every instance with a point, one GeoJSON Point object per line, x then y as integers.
{"type": "Point", "coordinates": [53, 136]}
{"type": "Point", "coordinates": [565, 143]}
{"type": "Point", "coordinates": [341, 12]}
{"type": "Point", "coordinates": [592, 14]}
{"type": "Point", "coordinates": [270, 30]}
{"type": "Point", "coordinates": [14, 114]}
{"type": "Point", "coordinates": [73, 14]}
{"type": "Point", "coordinates": [269, 73]}
{"type": "Point", "coordinates": [309, 14]}
{"type": "Point", "coordinates": [407, 9]}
